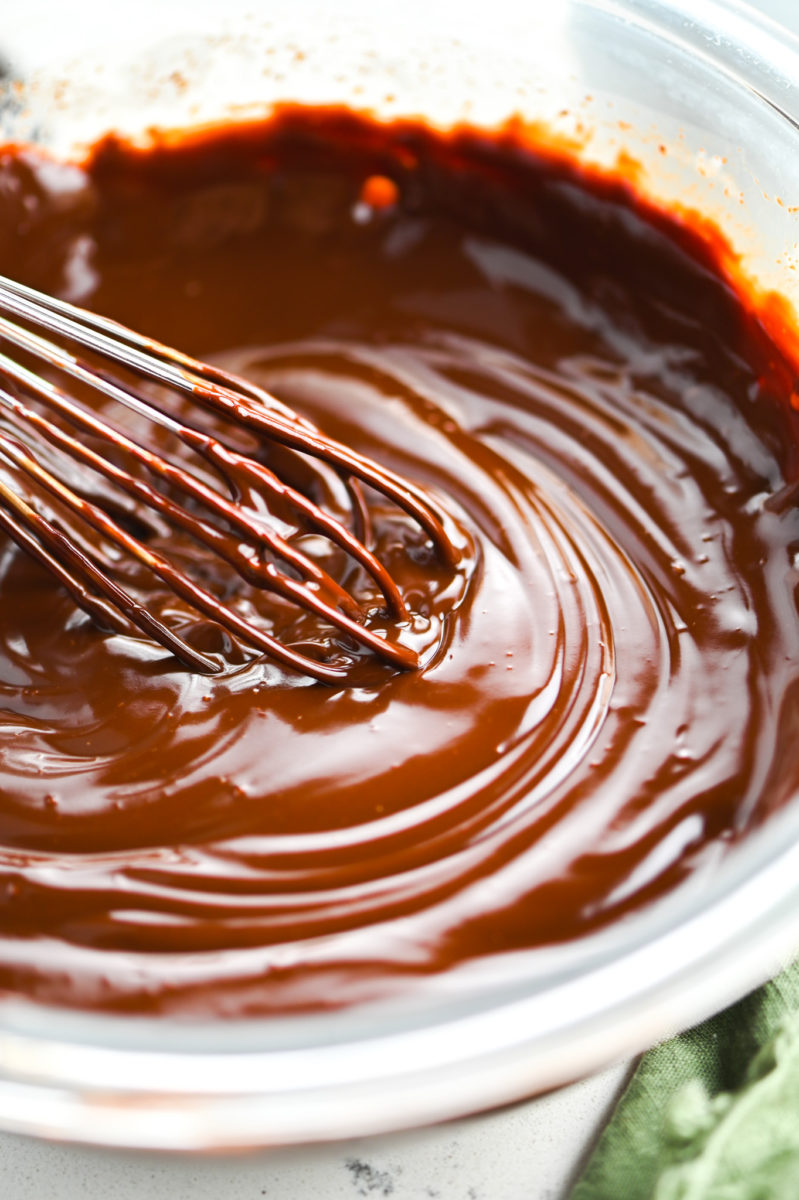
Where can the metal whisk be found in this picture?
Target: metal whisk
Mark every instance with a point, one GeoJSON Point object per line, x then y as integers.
{"type": "Point", "coordinates": [248, 538]}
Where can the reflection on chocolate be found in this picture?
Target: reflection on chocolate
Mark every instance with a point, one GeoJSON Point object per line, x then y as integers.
{"type": "Point", "coordinates": [615, 702]}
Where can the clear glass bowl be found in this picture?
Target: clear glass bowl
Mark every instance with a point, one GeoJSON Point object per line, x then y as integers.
{"type": "Point", "coordinates": [701, 97]}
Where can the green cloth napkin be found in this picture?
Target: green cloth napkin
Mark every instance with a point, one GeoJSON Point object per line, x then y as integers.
{"type": "Point", "coordinates": [712, 1114]}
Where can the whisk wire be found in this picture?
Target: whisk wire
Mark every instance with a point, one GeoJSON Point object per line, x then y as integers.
{"type": "Point", "coordinates": [219, 390]}
{"type": "Point", "coordinates": [247, 541]}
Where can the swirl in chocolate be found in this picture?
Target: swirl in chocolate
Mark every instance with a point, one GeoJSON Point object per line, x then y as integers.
{"type": "Point", "coordinates": [612, 701]}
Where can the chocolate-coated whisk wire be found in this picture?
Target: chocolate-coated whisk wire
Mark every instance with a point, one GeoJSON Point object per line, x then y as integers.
{"type": "Point", "coordinates": [247, 541]}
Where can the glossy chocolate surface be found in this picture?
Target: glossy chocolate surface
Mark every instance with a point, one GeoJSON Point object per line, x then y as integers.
{"type": "Point", "coordinates": [613, 700]}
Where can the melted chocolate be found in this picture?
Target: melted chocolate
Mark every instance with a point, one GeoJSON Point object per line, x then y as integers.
{"type": "Point", "coordinates": [614, 698]}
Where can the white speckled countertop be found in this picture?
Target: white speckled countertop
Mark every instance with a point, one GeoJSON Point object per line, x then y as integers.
{"type": "Point", "coordinates": [527, 1152]}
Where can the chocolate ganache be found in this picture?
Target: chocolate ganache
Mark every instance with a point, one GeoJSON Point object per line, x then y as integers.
{"type": "Point", "coordinates": [612, 699]}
